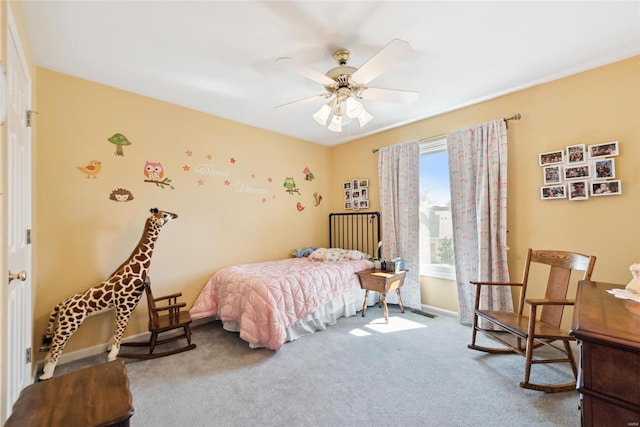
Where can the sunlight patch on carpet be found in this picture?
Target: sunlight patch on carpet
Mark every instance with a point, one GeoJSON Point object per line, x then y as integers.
{"type": "Point", "coordinates": [359, 332]}
{"type": "Point", "coordinates": [396, 324]}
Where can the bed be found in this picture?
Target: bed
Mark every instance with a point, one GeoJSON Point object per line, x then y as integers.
{"type": "Point", "coordinates": [273, 302]}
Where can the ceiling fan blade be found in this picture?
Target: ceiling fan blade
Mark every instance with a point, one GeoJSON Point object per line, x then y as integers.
{"type": "Point", "coordinates": [381, 61]}
{"type": "Point", "coordinates": [303, 100]}
{"type": "Point", "coordinates": [306, 71]}
{"type": "Point", "coordinates": [389, 95]}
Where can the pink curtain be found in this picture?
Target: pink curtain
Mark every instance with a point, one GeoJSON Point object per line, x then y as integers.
{"type": "Point", "coordinates": [478, 173]}
{"type": "Point", "coordinates": [398, 169]}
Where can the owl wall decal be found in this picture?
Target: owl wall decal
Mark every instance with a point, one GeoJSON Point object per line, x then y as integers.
{"type": "Point", "coordinates": [154, 173]}
{"type": "Point", "coordinates": [290, 185]}
{"type": "Point", "coordinates": [153, 170]}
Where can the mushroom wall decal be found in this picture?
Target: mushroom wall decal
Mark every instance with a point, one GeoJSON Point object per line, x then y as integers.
{"type": "Point", "coordinates": [119, 140]}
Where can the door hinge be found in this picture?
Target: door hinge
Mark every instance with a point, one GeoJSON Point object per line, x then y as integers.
{"type": "Point", "coordinates": [30, 114]}
{"type": "Point", "coordinates": [28, 236]}
{"type": "Point", "coordinates": [28, 355]}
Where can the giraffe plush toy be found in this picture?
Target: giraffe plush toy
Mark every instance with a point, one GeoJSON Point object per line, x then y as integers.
{"type": "Point", "coordinates": [121, 291]}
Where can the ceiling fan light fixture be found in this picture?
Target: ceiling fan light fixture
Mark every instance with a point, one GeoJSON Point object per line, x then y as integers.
{"type": "Point", "coordinates": [364, 117]}
{"type": "Point", "coordinates": [345, 85]}
{"type": "Point", "coordinates": [322, 115]}
{"type": "Point", "coordinates": [353, 107]}
{"type": "Point", "coordinates": [336, 123]}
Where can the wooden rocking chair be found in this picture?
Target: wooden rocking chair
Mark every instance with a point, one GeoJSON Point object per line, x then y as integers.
{"type": "Point", "coordinates": [174, 318]}
{"type": "Point", "coordinates": [531, 331]}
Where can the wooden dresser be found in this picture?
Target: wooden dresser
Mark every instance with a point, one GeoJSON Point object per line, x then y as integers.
{"type": "Point", "coordinates": [608, 332]}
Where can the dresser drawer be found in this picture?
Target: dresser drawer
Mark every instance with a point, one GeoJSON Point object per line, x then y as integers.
{"type": "Point", "coordinates": [611, 371]}
{"type": "Point", "coordinates": [597, 412]}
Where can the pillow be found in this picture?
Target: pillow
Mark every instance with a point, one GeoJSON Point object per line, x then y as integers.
{"type": "Point", "coordinates": [354, 254]}
{"type": "Point", "coordinates": [336, 254]}
{"type": "Point", "coordinates": [324, 254]}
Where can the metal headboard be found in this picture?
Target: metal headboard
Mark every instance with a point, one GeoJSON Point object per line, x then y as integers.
{"type": "Point", "coordinates": [358, 230]}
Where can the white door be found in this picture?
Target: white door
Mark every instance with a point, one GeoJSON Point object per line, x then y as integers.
{"type": "Point", "coordinates": [18, 191]}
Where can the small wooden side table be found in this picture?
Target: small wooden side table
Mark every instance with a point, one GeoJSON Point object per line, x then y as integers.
{"type": "Point", "coordinates": [94, 396]}
{"type": "Point", "coordinates": [381, 281]}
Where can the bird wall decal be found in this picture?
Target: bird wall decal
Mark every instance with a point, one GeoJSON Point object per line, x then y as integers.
{"type": "Point", "coordinates": [92, 169]}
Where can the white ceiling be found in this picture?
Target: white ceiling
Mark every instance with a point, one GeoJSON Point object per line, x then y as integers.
{"type": "Point", "coordinates": [218, 56]}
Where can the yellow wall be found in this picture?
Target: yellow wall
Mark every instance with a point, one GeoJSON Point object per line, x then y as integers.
{"type": "Point", "coordinates": [439, 293]}
{"type": "Point", "coordinates": [83, 236]}
{"type": "Point", "coordinates": [596, 106]}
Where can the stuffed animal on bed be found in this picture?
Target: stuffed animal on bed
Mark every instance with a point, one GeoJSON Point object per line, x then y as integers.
{"type": "Point", "coordinates": [300, 253]}
{"type": "Point", "coordinates": [634, 284]}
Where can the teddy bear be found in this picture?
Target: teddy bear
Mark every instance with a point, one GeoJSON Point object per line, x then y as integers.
{"type": "Point", "coordinates": [300, 253]}
{"type": "Point", "coordinates": [634, 284]}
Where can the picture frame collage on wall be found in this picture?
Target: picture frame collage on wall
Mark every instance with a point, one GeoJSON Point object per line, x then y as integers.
{"type": "Point", "coordinates": [579, 172]}
{"type": "Point", "coordinates": [356, 194]}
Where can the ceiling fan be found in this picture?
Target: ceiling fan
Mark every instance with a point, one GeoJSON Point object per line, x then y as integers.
{"type": "Point", "coordinates": [346, 85]}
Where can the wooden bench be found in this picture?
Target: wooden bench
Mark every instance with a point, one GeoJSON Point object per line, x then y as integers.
{"type": "Point", "coordinates": [94, 396]}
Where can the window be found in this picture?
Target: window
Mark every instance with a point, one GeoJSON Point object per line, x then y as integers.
{"type": "Point", "coordinates": [436, 230]}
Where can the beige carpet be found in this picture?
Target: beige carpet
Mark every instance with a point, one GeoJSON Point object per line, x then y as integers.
{"type": "Point", "coordinates": [415, 371]}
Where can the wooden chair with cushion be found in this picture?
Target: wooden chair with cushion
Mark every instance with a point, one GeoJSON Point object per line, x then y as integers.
{"type": "Point", "coordinates": [165, 315]}
{"type": "Point", "coordinates": [523, 332]}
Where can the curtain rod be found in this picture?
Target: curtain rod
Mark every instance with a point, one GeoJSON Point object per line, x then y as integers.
{"type": "Point", "coordinates": [516, 116]}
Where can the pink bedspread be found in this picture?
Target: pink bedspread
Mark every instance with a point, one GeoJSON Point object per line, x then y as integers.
{"type": "Point", "coordinates": [265, 298]}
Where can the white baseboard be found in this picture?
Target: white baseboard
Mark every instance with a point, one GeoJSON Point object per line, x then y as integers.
{"type": "Point", "coordinates": [90, 351]}
{"type": "Point", "coordinates": [102, 348]}
{"type": "Point", "coordinates": [440, 311]}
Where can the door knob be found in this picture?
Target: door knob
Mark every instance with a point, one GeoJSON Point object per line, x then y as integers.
{"type": "Point", "coordinates": [22, 276]}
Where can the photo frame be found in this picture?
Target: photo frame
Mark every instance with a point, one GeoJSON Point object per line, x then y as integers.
{"type": "Point", "coordinates": [577, 172]}
{"type": "Point", "coordinates": [552, 192]}
{"type": "Point", "coordinates": [604, 168]}
{"type": "Point", "coordinates": [551, 174]}
{"type": "Point", "coordinates": [603, 150]}
{"type": "Point", "coordinates": [356, 194]}
{"type": "Point", "coordinates": [606, 188]}
{"type": "Point", "coordinates": [580, 171]}
{"type": "Point", "coordinates": [551, 158]}
{"type": "Point", "coordinates": [576, 154]}
{"type": "Point", "coordinates": [578, 190]}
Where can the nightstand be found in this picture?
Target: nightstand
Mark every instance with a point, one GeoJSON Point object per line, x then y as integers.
{"type": "Point", "coordinates": [381, 281]}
